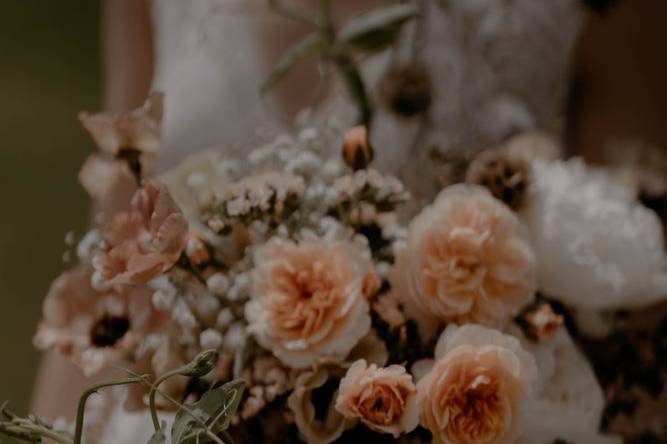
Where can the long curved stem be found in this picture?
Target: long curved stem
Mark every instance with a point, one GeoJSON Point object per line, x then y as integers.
{"type": "Point", "coordinates": [355, 85]}
{"type": "Point", "coordinates": [153, 392]}
{"type": "Point", "coordinates": [82, 402]}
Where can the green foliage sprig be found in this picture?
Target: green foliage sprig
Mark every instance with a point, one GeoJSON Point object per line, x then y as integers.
{"type": "Point", "coordinates": [201, 422]}
{"type": "Point", "coordinates": [368, 33]}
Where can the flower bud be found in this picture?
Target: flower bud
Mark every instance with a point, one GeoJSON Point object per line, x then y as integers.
{"type": "Point", "coordinates": [357, 151]}
{"type": "Point", "coordinates": [201, 365]}
{"type": "Point", "coordinates": [541, 323]}
{"type": "Point", "coordinates": [196, 250]}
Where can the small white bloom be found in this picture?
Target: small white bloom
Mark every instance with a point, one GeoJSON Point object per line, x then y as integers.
{"type": "Point", "coordinates": [87, 246]}
{"type": "Point", "coordinates": [235, 337]}
{"type": "Point", "coordinates": [98, 282]}
{"type": "Point", "coordinates": [225, 318]}
{"type": "Point", "coordinates": [183, 315]}
{"type": "Point", "coordinates": [210, 339]}
{"type": "Point", "coordinates": [163, 299]}
{"type": "Point", "coordinates": [218, 283]}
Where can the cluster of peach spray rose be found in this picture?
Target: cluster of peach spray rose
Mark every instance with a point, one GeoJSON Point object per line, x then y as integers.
{"type": "Point", "coordinates": [296, 267]}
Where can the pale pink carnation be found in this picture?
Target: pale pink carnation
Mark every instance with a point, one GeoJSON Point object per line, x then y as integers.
{"type": "Point", "coordinates": [137, 130]}
{"type": "Point", "coordinates": [95, 328]}
{"type": "Point", "coordinates": [475, 391]}
{"type": "Point", "coordinates": [307, 299]}
{"type": "Point", "coordinates": [384, 399]}
{"type": "Point", "coordinates": [466, 260]}
{"type": "Point", "coordinates": [144, 242]}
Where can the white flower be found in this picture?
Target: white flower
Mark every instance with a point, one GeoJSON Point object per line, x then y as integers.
{"type": "Point", "coordinates": [210, 339]}
{"type": "Point", "coordinates": [569, 401]}
{"type": "Point", "coordinates": [218, 283]}
{"type": "Point", "coordinates": [596, 246]}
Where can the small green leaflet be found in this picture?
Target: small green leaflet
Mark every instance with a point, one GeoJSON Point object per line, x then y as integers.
{"type": "Point", "coordinates": [159, 436]}
{"type": "Point", "coordinates": [215, 409]}
{"type": "Point", "coordinates": [377, 29]}
{"type": "Point", "coordinates": [312, 45]}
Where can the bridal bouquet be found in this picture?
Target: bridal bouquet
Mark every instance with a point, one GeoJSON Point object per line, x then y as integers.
{"type": "Point", "coordinates": [283, 297]}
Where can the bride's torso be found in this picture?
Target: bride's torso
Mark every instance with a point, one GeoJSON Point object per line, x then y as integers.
{"type": "Point", "coordinates": [496, 67]}
{"type": "Point", "coordinates": [211, 59]}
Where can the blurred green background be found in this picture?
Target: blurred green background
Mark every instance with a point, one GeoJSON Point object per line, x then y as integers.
{"type": "Point", "coordinates": [50, 69]}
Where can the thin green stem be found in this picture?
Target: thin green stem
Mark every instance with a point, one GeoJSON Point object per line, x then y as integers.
{"type": "Point", "coordinates": [355, 86]}
{"type": "Point", "coordinates": [286, 12]}
{"type": "Point", "coordinates": [54, 436]}
{"type": "Point", "coordinates": [82, 402]}
{"type": "Point", "coordinates": [154, 389]}
{"type": "Point", "coordinates": [227, 437]}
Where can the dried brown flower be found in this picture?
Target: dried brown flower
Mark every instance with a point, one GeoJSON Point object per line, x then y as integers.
{"type": "Point", "coordinates": [541, 323]}
{"type": "Point", "coordinates": [505, 174]}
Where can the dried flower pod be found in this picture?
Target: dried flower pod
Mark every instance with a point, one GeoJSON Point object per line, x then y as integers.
{"type": "Point", "coordinates": [505, 174]}
{"type": "Point", "coordinates": [357, 150]}
{"type": "Point", "coordinates": [541, 323]}
{"type": "Point", "coordinates": [407, 90]}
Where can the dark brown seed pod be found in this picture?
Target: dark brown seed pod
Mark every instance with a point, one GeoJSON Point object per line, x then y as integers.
{"type": "Point", "coordinates": [407, 90]}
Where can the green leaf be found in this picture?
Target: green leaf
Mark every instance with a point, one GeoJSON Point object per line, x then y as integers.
{"type": "Point", "coordinates": [312, 45]}
{"type": "Point", "coordinates": [159, 436]}
{"type": "Point", "coordinates": [376, 29]}
{"type": "Point", "coordinates": [215, 409]}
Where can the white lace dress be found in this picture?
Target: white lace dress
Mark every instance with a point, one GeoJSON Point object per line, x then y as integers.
{"type": "Point", "coordinates": [497, 66]}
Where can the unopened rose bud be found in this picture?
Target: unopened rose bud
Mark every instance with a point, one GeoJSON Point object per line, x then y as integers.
{"type": "Point", "coordinates": [201, 365]}
{"type": "Point", "coordinates": [357, 151]}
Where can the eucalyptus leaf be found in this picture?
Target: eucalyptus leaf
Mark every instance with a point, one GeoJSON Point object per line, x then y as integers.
{"type": "Point", "coordinates": [312, 45]}
{"type": "Point", "coordinates": [215, 409]}
{"type": "Point", "coordinates": [376, 29]}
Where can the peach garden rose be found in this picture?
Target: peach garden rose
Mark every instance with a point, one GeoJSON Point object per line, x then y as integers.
{"type": "Point", "coordinates": [475, 391]}
{"type": "Point", "coordinates": [384, 399]}
{"type": "Point", "coordinates": [307, 299]}
{"type": "Point", "coordinates": [466, 260]}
